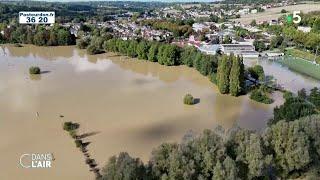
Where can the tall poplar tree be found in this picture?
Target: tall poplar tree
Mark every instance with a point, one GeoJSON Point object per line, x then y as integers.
{"type": "Point", "coordinates": [236, 76]}
{"type": "Point", "coordinates": [152, 54]}
{"type": "Point", "coordinates": [223, 74]}
{"type": "Point", "coordinates": [142, 50]}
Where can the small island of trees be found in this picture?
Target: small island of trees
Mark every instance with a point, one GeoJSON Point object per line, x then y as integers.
{"type": "Point", "coordinates": [188, 99]}
{"type": "Point", "coordinates": [34, 70]}
{"type": "Point", "coordinates": [260, 95]}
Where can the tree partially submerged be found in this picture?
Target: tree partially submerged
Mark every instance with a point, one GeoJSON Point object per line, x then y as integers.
{"type": "Point", "coordinates": [70, 126]}
{"type": "Point", "coordinates": [230, 75]}
{"type": "Point", "coordinates": [72, 129]}
{"type": "Point", "coordinates": [34, 70]}
{"type": "Point", "coordinates": [260, 96]}
{"type": "Point", "coordinates": [92, 49]}
{"type": "Point", "coordinates": [188, 99]}
{"type": "Point", "coordinates": [237, 76]}
{"type": "Point", "coordinates": [223, 74]}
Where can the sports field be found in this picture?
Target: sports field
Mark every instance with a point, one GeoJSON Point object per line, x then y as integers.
{"type": "Point", "coordinates": [302, 66]}
{"type": "Point", "coordinates": [302, 54]}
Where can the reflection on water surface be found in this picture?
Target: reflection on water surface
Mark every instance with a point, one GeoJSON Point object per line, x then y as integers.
{"type": "Point", "coordinates": [135, 105]}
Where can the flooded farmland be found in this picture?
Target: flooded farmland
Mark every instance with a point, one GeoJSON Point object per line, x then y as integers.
{"type": "Point", "coordinates": [129, 105]}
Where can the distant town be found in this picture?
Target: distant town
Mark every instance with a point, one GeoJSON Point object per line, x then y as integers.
{"type": "Point", "coordinates": [212, 28]}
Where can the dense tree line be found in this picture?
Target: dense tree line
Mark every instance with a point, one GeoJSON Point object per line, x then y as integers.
{"type": "Point", "coordinates": [302, 40]}
{"type": "Point", "coordinates": [230, 75]}
{"type": "Point", "coordinates": [77, 11]}
{"type": "Point", "coordinates": [165, 54]}
{"type": "Point", "coordinates": [226, 71]}
{"type": "Point", "coordinates": [286, 149]}
{"type": "Point", "coordinates": [303, 104]}
{"type": "Point", "coordinates": [38, 35]}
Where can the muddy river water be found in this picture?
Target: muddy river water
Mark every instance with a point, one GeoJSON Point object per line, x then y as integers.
{"type": "Point", "coordinates": [130, 105]}
{"type": "Point", "coordinates": [283, 76]}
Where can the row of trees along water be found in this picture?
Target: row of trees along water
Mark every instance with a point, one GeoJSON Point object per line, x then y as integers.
{"type": "Point", "coordinates": [226, 71]}
{"type": "Point", "coordinates": [230, 78]}
{"type": "Point", "coordinates": [288, 148]}
{"type": "Point", "coordinates": [72, 129]}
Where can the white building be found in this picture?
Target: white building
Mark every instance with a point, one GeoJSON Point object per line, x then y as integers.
{"type": "Point", "coordinates": [254, 11]}
{"type": "Point", "coordinates": [304, 29]}
{"type": "Point", "coordinates": [244, 50]}
{"type": "Point", "coordinates": [244, 11]}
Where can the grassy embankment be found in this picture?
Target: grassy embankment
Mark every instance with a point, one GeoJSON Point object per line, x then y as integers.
{"type": "Point", "coordinates": [302, 54]}
{"type": "Point", "coordinates": [302, 65]}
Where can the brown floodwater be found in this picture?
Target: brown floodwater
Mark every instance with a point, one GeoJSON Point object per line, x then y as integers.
{"type": "Point", "coordinates": [288, 79]}
{"type": "Point", "coordinates": [130, 105]}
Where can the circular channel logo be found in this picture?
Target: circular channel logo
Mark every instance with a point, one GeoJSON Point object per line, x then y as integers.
{"type": "Point", "coordinates": [36, 160]}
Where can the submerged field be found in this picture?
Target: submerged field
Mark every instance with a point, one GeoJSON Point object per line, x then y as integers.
{"type": "Point", "coordinates": [128, 104]}
{"type": "Point", "coordinates": [284, 76]}
{"type": "Point", "coordinates": [302, 66]}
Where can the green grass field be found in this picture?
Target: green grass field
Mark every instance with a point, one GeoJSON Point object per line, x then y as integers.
{"type": "Point", "coordinates": [302, 54]}
{"type": "Point", "coordinates": [302, 66]}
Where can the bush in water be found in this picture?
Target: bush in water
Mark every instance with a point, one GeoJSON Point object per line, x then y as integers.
{"type": "Point", "coordinates": [188, 99]}
{"type": "Point", "coordinates": [34, 70]}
